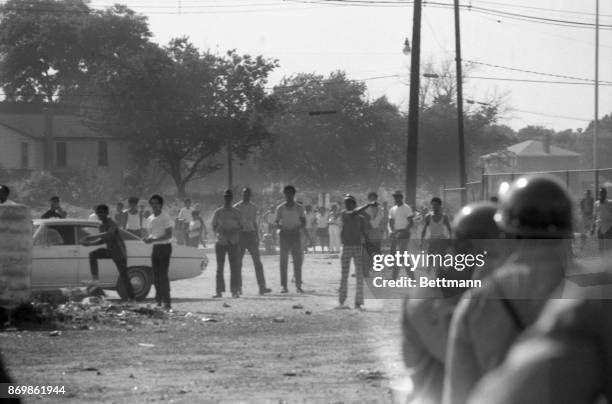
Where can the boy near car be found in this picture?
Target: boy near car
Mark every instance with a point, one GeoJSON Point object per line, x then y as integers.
{"type": "Point", "coordinates": [55, 210]}
{"type": "Point", "coordinates": [115, 249]}
{"type": "Point", "coordinates": [134, 218]}
{"type": "Point", "coordinates": [159, 230]}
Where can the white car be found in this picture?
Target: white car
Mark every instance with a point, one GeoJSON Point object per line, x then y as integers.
{"type": "Point", "coordinates": [59, 261]}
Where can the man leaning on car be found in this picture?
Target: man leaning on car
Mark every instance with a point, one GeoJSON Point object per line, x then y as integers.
{"type": "Point", "coordinates": [115, 249]}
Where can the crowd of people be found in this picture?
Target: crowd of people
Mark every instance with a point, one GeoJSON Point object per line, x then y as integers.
{"type": "Point", "coordinates": [512, 339]}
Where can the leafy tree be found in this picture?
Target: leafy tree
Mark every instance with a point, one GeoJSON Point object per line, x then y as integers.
{"type": "Point", "coordinates": [48, 47]}
{"type": "Point", "coordinates": [179, 106]}
{"type": "Point", "coordinates": [327, 134]}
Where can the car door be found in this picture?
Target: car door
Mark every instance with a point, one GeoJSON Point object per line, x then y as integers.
{"type": "Point", "coordinates": [106, 267]}
{"type": "Point", "coordinates": [55, 257]}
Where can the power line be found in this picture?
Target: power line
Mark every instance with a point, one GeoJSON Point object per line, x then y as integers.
{"type": "Point", "coordinates": [477, 9]}
{"type": "Point", "coordinates": [533, 72]}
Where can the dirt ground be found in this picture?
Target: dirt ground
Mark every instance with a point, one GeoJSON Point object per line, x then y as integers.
{"type": "Point", "coordinates": [255, 349]}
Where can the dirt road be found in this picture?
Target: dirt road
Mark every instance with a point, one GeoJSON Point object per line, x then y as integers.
{"type": "Point", "coordinates": [251, 350]}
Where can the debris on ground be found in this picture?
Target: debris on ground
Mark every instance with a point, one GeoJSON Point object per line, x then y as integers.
{"type": "Point", "coordinates": [226, 305]}
{"type": "Point", "coordinates": [290, 374]}
{"type": "Point", "coordinates": [143, 345]}
{"type": "Point", "coordinates": [279, 319]}
{"type": "Point", "coordinates": [297, 306]}
{"type": "Point", "coordinates": [77, 310]}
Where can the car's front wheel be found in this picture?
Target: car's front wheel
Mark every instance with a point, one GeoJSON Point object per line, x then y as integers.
{"type": "Point", "coordinates": [141, 280]}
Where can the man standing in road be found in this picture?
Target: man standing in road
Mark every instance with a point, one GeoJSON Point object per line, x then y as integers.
{"type": "Point", "coordinates": [227, 223]}
{"type": "Point", "coordinates": [400, 223]}
{"type": "Point", "coordinates": [290, 219]}
{"type": "Point", "coordinates": [115, 250]}
{"type": "Point", "coordinates": [353, 238]}
{"type": "Point", "coordinates": [603, 223]}
{"type": "Point", "coordinates": [159, 230]}
{"type": "Point", "coordinates": [55, 210]}
{"type": "Point", "coordinates": [249, 239]}
{"type": "Point", "coordinates": [182, 222]}
{"type": "Point", "coordinates": [587, 205]}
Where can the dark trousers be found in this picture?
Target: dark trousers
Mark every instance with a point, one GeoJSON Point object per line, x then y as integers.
{"type": "Point", "coordinates": [120, 262]}
{"type": "Point", "coordinates": [249, 242]}
{"type": "Point", "coordinates": [400, 244]}
{"type": "Point", "coordinates": [160, 261]}
{"type": "Point", "coordinates": [290, 241]}
{"type": "Point", "coordinates": [232, 254]}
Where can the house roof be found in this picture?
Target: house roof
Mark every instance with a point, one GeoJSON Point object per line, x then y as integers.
{"type": "Point", "coordinates": [32, 124]}
{"type": "Point", "coordinates": [533, 148]}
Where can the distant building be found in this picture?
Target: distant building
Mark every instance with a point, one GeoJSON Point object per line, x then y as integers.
{"type": "Point", "coordinates": [31, 138]}
{"type": "Point", "coordinates": [528, 157]}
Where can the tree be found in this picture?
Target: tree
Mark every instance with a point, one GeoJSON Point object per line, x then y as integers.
{"type": "Point", "coordinates": [326, 134]}
{"type": "Point", "coordinates": [49, 48]}
{"type": "Point", "coordinates": [178, 106]}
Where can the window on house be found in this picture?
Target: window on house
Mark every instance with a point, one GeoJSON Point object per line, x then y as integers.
{"type": "Point", "coordinates": [25, 155]}
{"type": "Point", "coordinates": [60, 155]}
{"type": "Point", "coordinates": [102, 153]}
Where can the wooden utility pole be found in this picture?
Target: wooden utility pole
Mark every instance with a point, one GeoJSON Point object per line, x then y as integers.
{"type": "Point", "coordinates": [460, 126]}
{"type": "Point", "coordinates": [596, 121]}
{"type": "Point", "coordinates": [413, 109]}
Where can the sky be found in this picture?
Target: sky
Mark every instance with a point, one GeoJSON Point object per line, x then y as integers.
{"type": "Point", "coordinates": [366, 41]}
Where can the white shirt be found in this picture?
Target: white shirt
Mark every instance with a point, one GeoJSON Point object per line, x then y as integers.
{"type": "Point", "coordinates": [157, 225]}
{"type": "Point", "coordinates": [133, 221]}
{"type": "Point", "coordinates": [185, 214]}
{"type": "Point", "coordinates": [400, 215]}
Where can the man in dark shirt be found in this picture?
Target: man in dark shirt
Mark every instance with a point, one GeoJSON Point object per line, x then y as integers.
{"type": "Point", "coordinates": [115, 249]}
{"type": "Point", "coordinates": [353, 235]}
{"type": "Point", "coordinates": [55, 211]}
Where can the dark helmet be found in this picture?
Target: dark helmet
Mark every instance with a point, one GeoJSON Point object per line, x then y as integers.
{"type": "Point", "coordinates": [535, 206]}
{"type": "Point", "coordinates": [475, 221]}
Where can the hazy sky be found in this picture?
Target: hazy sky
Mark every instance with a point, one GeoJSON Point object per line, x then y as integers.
{"type": "Point", "coordinates": [367, 42]}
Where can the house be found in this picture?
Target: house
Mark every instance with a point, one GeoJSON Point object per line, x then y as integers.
{"type": "Point", "coordinates": [532, 156]}
{"type": "Point", "coordinates": [32, 137]}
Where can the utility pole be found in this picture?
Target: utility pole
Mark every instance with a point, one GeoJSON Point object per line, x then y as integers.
{"type": "Point", "coordinates": [460, 126]}
{"type": "Point", "coordinates": [413, 109]}
{"type": "Point", "coordinates": [596, 121]}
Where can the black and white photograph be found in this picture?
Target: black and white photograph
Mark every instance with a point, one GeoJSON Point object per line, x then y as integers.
{"type": "Point", "coordinates": [306, 201]}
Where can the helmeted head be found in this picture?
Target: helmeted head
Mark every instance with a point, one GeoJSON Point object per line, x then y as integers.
{"type": "Point", "coordinates": [536, 207]}
{"type": "Point", "coordinates": [476, 221]}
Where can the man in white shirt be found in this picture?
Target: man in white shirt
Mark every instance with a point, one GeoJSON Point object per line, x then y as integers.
{"type": "Point", "coordinates": [133, 217]}
{"type": "Point", "coordinates": [159, 228]}
{"type": "Point", "coordinates": [248, 239]}
{"type": "Point", "coordinates": [182, 222]}
{"type": "Point", "coordinates": [290, 219]}
{"type": "Point", "coordinates": [400, 223]}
